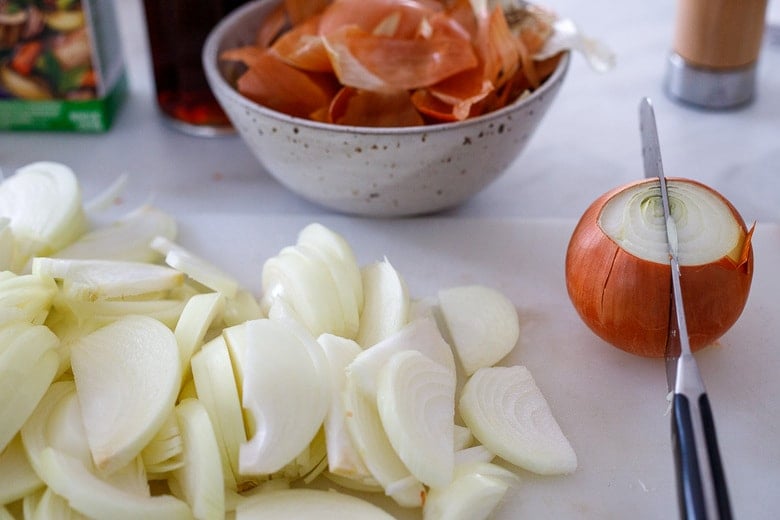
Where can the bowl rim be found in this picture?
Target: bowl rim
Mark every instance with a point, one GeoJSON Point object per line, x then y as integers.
{"type": "Point", "coordinates": [214, 74]}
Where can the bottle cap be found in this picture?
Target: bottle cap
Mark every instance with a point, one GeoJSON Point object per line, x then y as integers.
{"type": "Point", "coordinates": [713, 88]}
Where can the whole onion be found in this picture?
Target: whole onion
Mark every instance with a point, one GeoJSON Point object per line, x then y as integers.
{"type": "Point", "coordinates": [617, 265]}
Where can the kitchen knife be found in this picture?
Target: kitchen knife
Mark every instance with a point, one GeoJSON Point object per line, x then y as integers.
{"type": "Point", "coordinates": [701, 483]}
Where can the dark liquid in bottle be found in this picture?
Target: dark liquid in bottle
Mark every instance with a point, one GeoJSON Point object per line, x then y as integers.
{"type": "Point", "coordinates": [177, 30]}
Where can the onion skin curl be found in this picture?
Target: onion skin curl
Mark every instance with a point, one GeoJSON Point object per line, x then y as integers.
{"type": "Point", "coordinates": [626, 300]}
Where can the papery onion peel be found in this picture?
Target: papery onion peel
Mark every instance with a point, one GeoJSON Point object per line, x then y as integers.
{"type": "Point", "coordinates": [617, 266]}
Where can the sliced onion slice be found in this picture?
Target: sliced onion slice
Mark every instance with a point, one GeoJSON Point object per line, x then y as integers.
{"type": "Point", "coordinates": [127, 377]}
{"type": "Point", "coordinates": [216, 388]}
{"type": "Point", "coordinates": [507, 413]}
{"type": "Point", "coordinates": [43, 202]}
{"type": "Point", "coordinates": [96, 498]}
{"type": "Point", "coordinates": [103, 279]}
{"type": "Point", "coordinates": [421, 335]}
{"type": "Point", "coordinates": [197, 268]}
{"type": "Point", "coordinates": [335, 247]}
{"type": "Point", "coordinates": [416, 402]}
{"type": "Point", "coordinates": [343, 458]}
{"type": "Point", "coordinates": [7, 244]}
{"type": "Point", "coordinates": [308, 503]}
{"type": "Point", "coordinates": [198, 314]}
{"type": "Point", "coordinates": [126, 239]}
{"type": "Point", "coordinates": [482, 324]}
{"type": "Point", "coordinates": [200, 477]}
{"type": "Point", "coordinates": [28, 364]}
{"type": "Point", "coordinates": [17, 477]}
{"type": "Point", "coordinates": [368, 434]}
{"type": "Point", "coordinates": [307, 286]}
{"type": "Point", "coordinates": [473, 495]}
{"type": "Point", "coordinates": [386, 303]}
{"type": "Point", "coordinates": [286, 394]}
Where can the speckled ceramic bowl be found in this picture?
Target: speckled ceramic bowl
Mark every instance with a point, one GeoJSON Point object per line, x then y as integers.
{"type": "Point", "coordinates": [373, 171]}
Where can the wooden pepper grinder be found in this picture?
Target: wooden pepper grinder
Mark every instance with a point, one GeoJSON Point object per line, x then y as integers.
{"type": "Point", "coordinates": [716, 48]}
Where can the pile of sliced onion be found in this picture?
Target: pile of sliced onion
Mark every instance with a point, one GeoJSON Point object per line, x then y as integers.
{"type": "Point", "coordinates": [145, 382]}
{"type": "Point", "coordinates": [618, 273]}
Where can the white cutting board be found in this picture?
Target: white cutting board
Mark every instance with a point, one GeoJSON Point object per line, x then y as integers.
{"type": "Point", "coordinates": [611, 405]}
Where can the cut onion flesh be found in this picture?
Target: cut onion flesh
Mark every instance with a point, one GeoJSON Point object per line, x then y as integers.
{"type": "Point", "coordinates": [194, 321]}
{"type": "Point", "coordinates": [96, 498]}
{"type": "Point", "coordinates": [127, 239]}
{"type": "Point", "coordinates": [26, 297]}
{"type": "Point", "coordinates": [706, 229]}
{"type": "Point", "coordinates": [482, 324]}
{"type": "Point", "coordinates": [35, 433]}
{"type": "Point", "coordinates": [507, 413]}
{"type": "Point", "coordinates": [17, 477]}
{"type": "Point", "coordinates": [305, 284]}
{"type": "Point", "coordinates": [197, 268]}
{"type": "Point", "coordinates": [473, 494]}
{"type": "Point", "coordinates": [7, 245]}
{"type": "Point", "coordinates": [376, 451]}
{"type": "Point", "coordinates": [386, 303]}
{"type": "Point", "coordinates": [421, 335]}
{"type": "Point", "coordinates": [200, 478]}
{"type": "Point", "coordinates": [102, 279]}
{"type": "Point", "coordinates": [416, 402]}
{"type": "Point", "coordinates": [338, 277]}
{"type": "Point", "coordinates": [337, 249]}
{"type": "Point", "coordinates": [127, 376]}
{"type": "Point", "coordinates": [28, 364]}
{"type": "Point", "coordinates": [343, 458]}
{"type": "Point", "coordinates": [43, 203]}
{"type": "Point", "coordinates": [307, 503]}
{"type": "Point", "coordinates": [164, 452]}
{"type": "Point", "coordinates": [285, 392]}
{"type": "Point", "coordinates": [215, 384]}
{"type": "Point", "coordinates": [372, 399]}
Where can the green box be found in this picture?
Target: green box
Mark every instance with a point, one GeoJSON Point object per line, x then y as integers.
{"type": "Point", "coordinates": [61, 65]}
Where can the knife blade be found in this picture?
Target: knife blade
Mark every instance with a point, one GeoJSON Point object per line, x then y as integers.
{"type": "Point", "coordinates": [701, 483]}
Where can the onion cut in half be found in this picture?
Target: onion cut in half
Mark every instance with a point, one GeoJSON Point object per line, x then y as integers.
{"type": "Point", "coordinates": [617, 265]}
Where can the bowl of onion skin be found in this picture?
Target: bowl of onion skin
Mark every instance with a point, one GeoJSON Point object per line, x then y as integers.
{"type": "Point", "coordinates": [618, 273]}
{"type": "Point", "coordinates": [398, 150]}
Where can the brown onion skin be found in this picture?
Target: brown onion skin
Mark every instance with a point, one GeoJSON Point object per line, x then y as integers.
{"type": "Point", "coordinates": [626, 300]}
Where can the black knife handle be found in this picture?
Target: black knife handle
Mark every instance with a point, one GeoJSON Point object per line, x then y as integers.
{"type": "Point", "coordinates": [716, 465]}
{"type": "Point", "coordinates": [689, 461]}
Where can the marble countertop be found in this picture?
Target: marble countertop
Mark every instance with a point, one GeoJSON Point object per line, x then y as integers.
{"type": "Point", "coordinates": [588, 143]}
